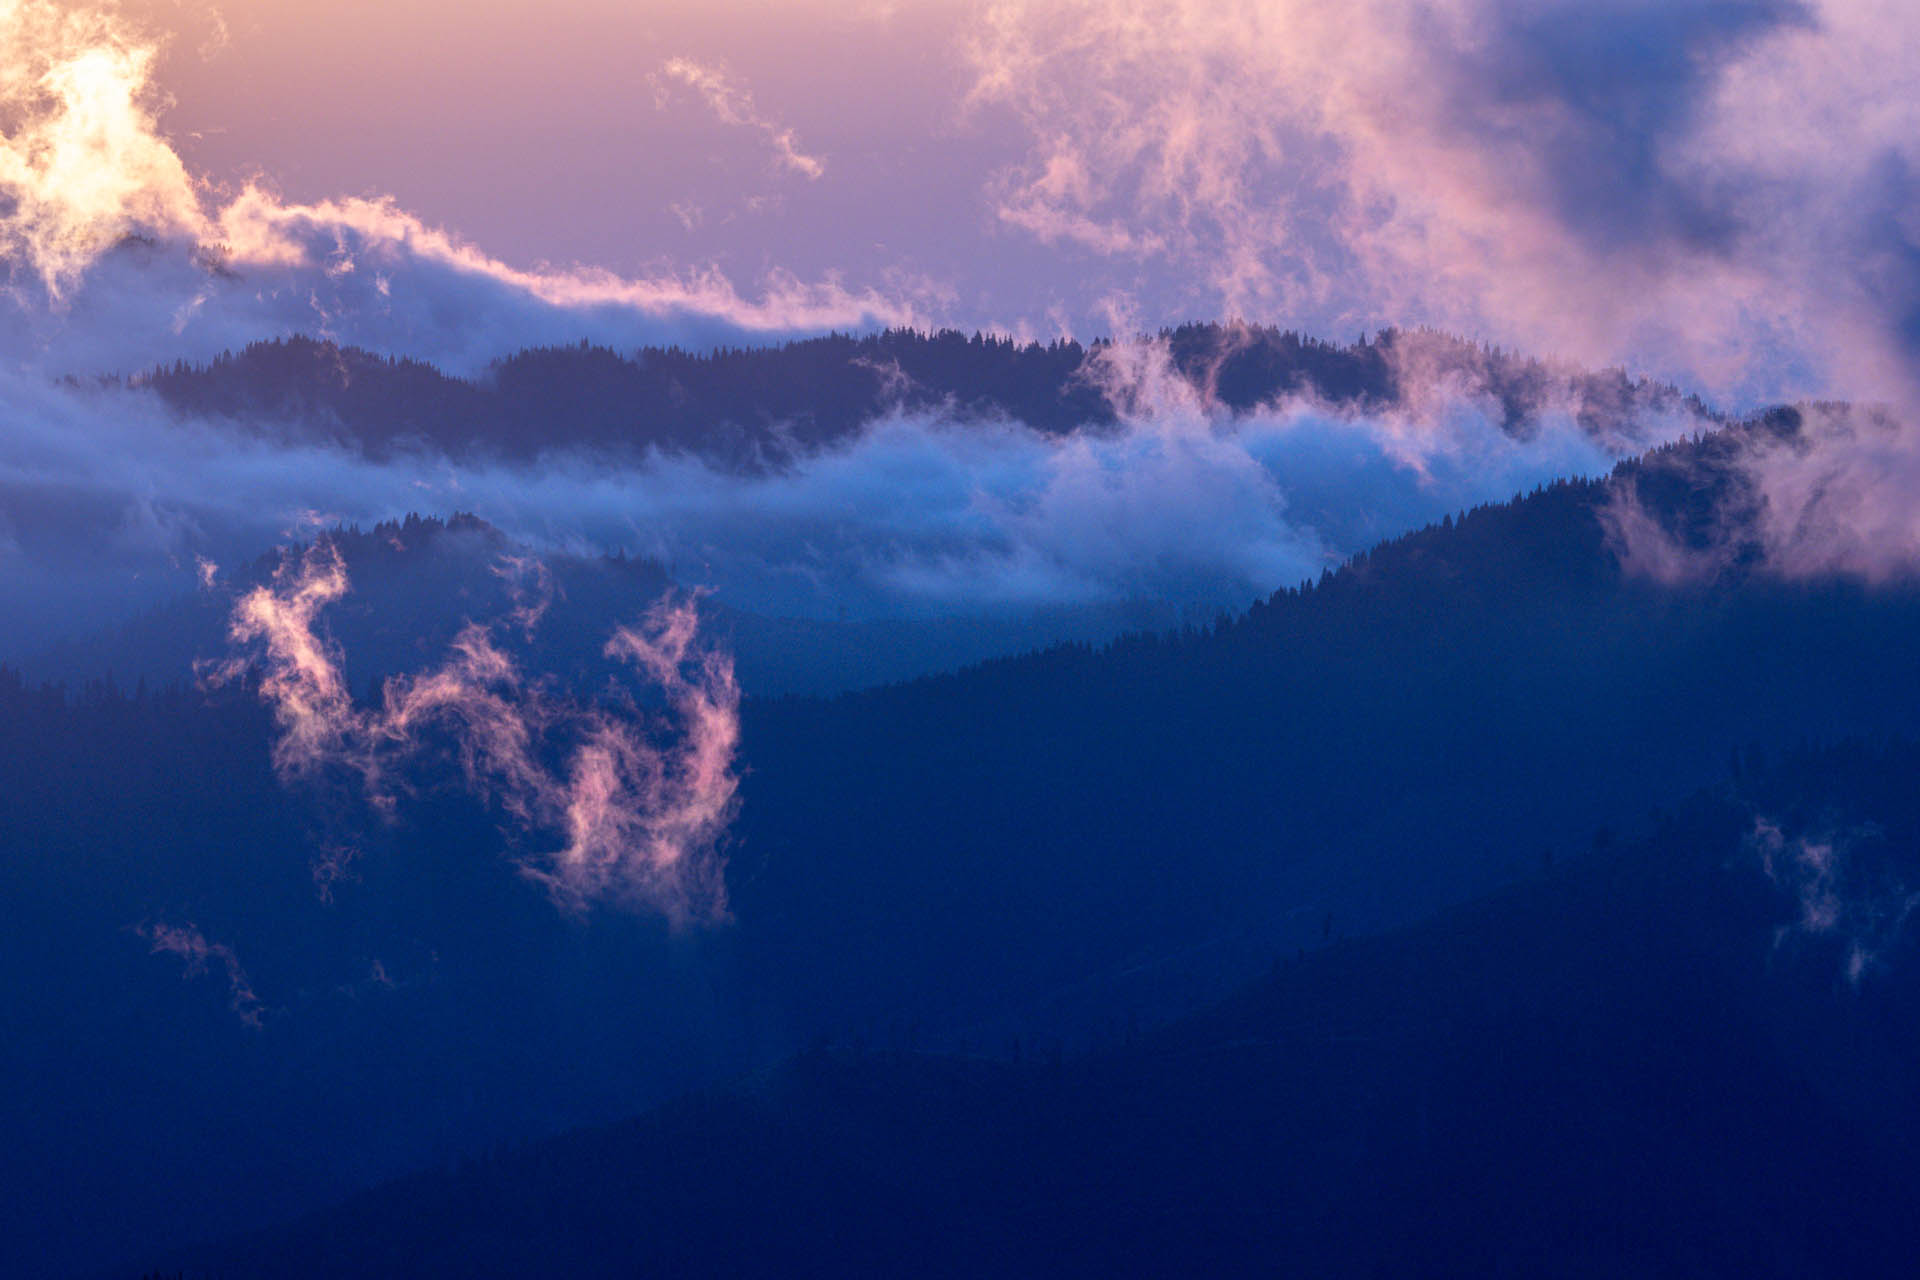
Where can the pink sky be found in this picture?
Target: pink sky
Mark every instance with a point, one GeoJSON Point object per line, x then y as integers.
{"type": "Point", "coordinates": [1707, 190]}
{"type": "Point", "coordinates": [1714, 191]}
{"type": "Point", "coordinates": [554, 133]}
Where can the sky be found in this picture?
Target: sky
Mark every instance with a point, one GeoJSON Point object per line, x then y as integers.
{"type": "Point", "coordinates": [1715, 192]}
{"type": "Point", "coordinates": [621, 136]}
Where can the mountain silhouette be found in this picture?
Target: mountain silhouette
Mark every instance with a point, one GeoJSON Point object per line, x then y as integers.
{"type": "Point", "coordinates": [1616, 1066]}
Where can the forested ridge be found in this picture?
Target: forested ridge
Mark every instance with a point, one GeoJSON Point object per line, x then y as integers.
{"type": "Point", "coordinates": [1034, 855]}
{"type": "Point", "coordinates": [760, 406]}
{"type": "Point", "coordinates": [1620, 1050]}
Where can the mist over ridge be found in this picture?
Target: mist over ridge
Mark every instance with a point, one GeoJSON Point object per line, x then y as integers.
{"type": "Point", "coordinates": [898, 475]}
{"type": "Point", "coordinates": [1113, 636]}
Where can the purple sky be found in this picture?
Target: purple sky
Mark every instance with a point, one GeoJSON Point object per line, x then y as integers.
{"type": "Point", "coordinates": [1712, 191]}
{"type": "Point", "coordinates": [559, 134]}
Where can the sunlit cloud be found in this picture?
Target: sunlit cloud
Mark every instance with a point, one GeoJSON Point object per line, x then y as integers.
{"type": "Point", "coordinates": [127, 261]}
{"type": "Point", "coordinates": [81, 161]}
{"type": "Point", "coordinates": [641, 812]}
{"type": "Point", "coordinates": [1716, 192]}
{"type": "Point", "coordinates": [302, 676]}
{"type": "Point", "coordinates": [1704, 190]}
{"type": "Point", "coordinates": [1710, 189]}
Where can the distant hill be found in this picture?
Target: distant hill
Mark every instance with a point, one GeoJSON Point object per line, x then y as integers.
{"type": "Point", "coordinates": [1043, 851]}
{"type": "Point", "coordinates": [1365, 747]}
{"type": "Point", "coordinates": [1624, 1065]}
{"type": "Point", "coordinates": [759, 406]}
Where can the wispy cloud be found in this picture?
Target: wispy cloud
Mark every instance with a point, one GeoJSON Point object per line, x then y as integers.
{"type": "Point", "coordinates": [302, 676]}
{"type": "Point", "coordinates": [1841, 895]}
{"type": "Point", "coordinates": [1715, 189]}
{"type": "Point", "coordinates": [639, 813]}
{"type": "Point", "coordinates": [1825, 490]}
{"type": "Point", "coordinates": [187, 942]}
{"type": "Point", "coordinates": [732, 103]}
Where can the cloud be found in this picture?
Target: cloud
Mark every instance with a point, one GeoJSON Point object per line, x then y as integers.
{"type": "Point", "coordinates": [110, 500]}
{"type": "Point", "coordinates": [105, 499]}
{"type": "Point", "coordinates": [1818, 490]}
{"type": "Point", "coordinates": [530, 586]}
{"type": "Point", "coordinates": [641, 813]}
{"type": "Point", "coordinates": [187, 942]}
{"type": "Point", "coordinates": [1720, 191]}
{"type": "Point", "coordinates": [733, 104]}
{"type": "Point", "coordinates": [1841, 893]}
{"type": "Point", "coordinates": [1836, 496]}
{"type": "Point", "coordinates": [302, 676]}
{"type": "Point", "coordinates": [1647, 548]}
{"type": "Point", "coordinates": [120, 260]}
{"type": "Point", "coordinates": [81, 161]}
{"type": "Point", "coordinates": [1717, 189]}
{"type": "Point", "coordinates": [641, 822]}
{"type": "Point", "coordinates": [363, 273]}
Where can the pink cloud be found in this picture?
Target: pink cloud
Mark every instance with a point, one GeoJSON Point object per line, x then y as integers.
{"type": "Point", "coordinates": [640, 808]}
{"type": "Point", "coordinates": [1689, 187]}
{"type": "Point", "coordinates": [1838, 894]}
{"type": "Point", "coordinates": [192, 946]}
{"type": "Point", "coordinates": [732, 102]}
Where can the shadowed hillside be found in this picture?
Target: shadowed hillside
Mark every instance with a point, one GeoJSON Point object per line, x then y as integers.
{"type": "Point", "coordinates": [1039, 852]}
{"type": "Point", "coordinates": [1627, 1065]}
{"type": "Point", "coordinates": [1410, 729]}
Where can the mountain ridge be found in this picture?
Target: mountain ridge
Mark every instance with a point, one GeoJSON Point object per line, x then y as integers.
{"type": "Point", "coordinates": [756, 407]}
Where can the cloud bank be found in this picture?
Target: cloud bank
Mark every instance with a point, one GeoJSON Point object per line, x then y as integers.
{"type": "Point", "coordinates": [108, 499]}
{"type": "Point", "coordinates": [1714, 189]}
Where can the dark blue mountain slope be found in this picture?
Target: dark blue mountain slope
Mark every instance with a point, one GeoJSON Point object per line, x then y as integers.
{"type": "Point", "coordinates": [1626, 1065]}
{"type": "Point", "coordinates": [1040, 851]}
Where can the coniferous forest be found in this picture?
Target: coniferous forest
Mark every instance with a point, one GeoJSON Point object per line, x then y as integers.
{"type": "Point", "coordinates": [1045, 638]}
